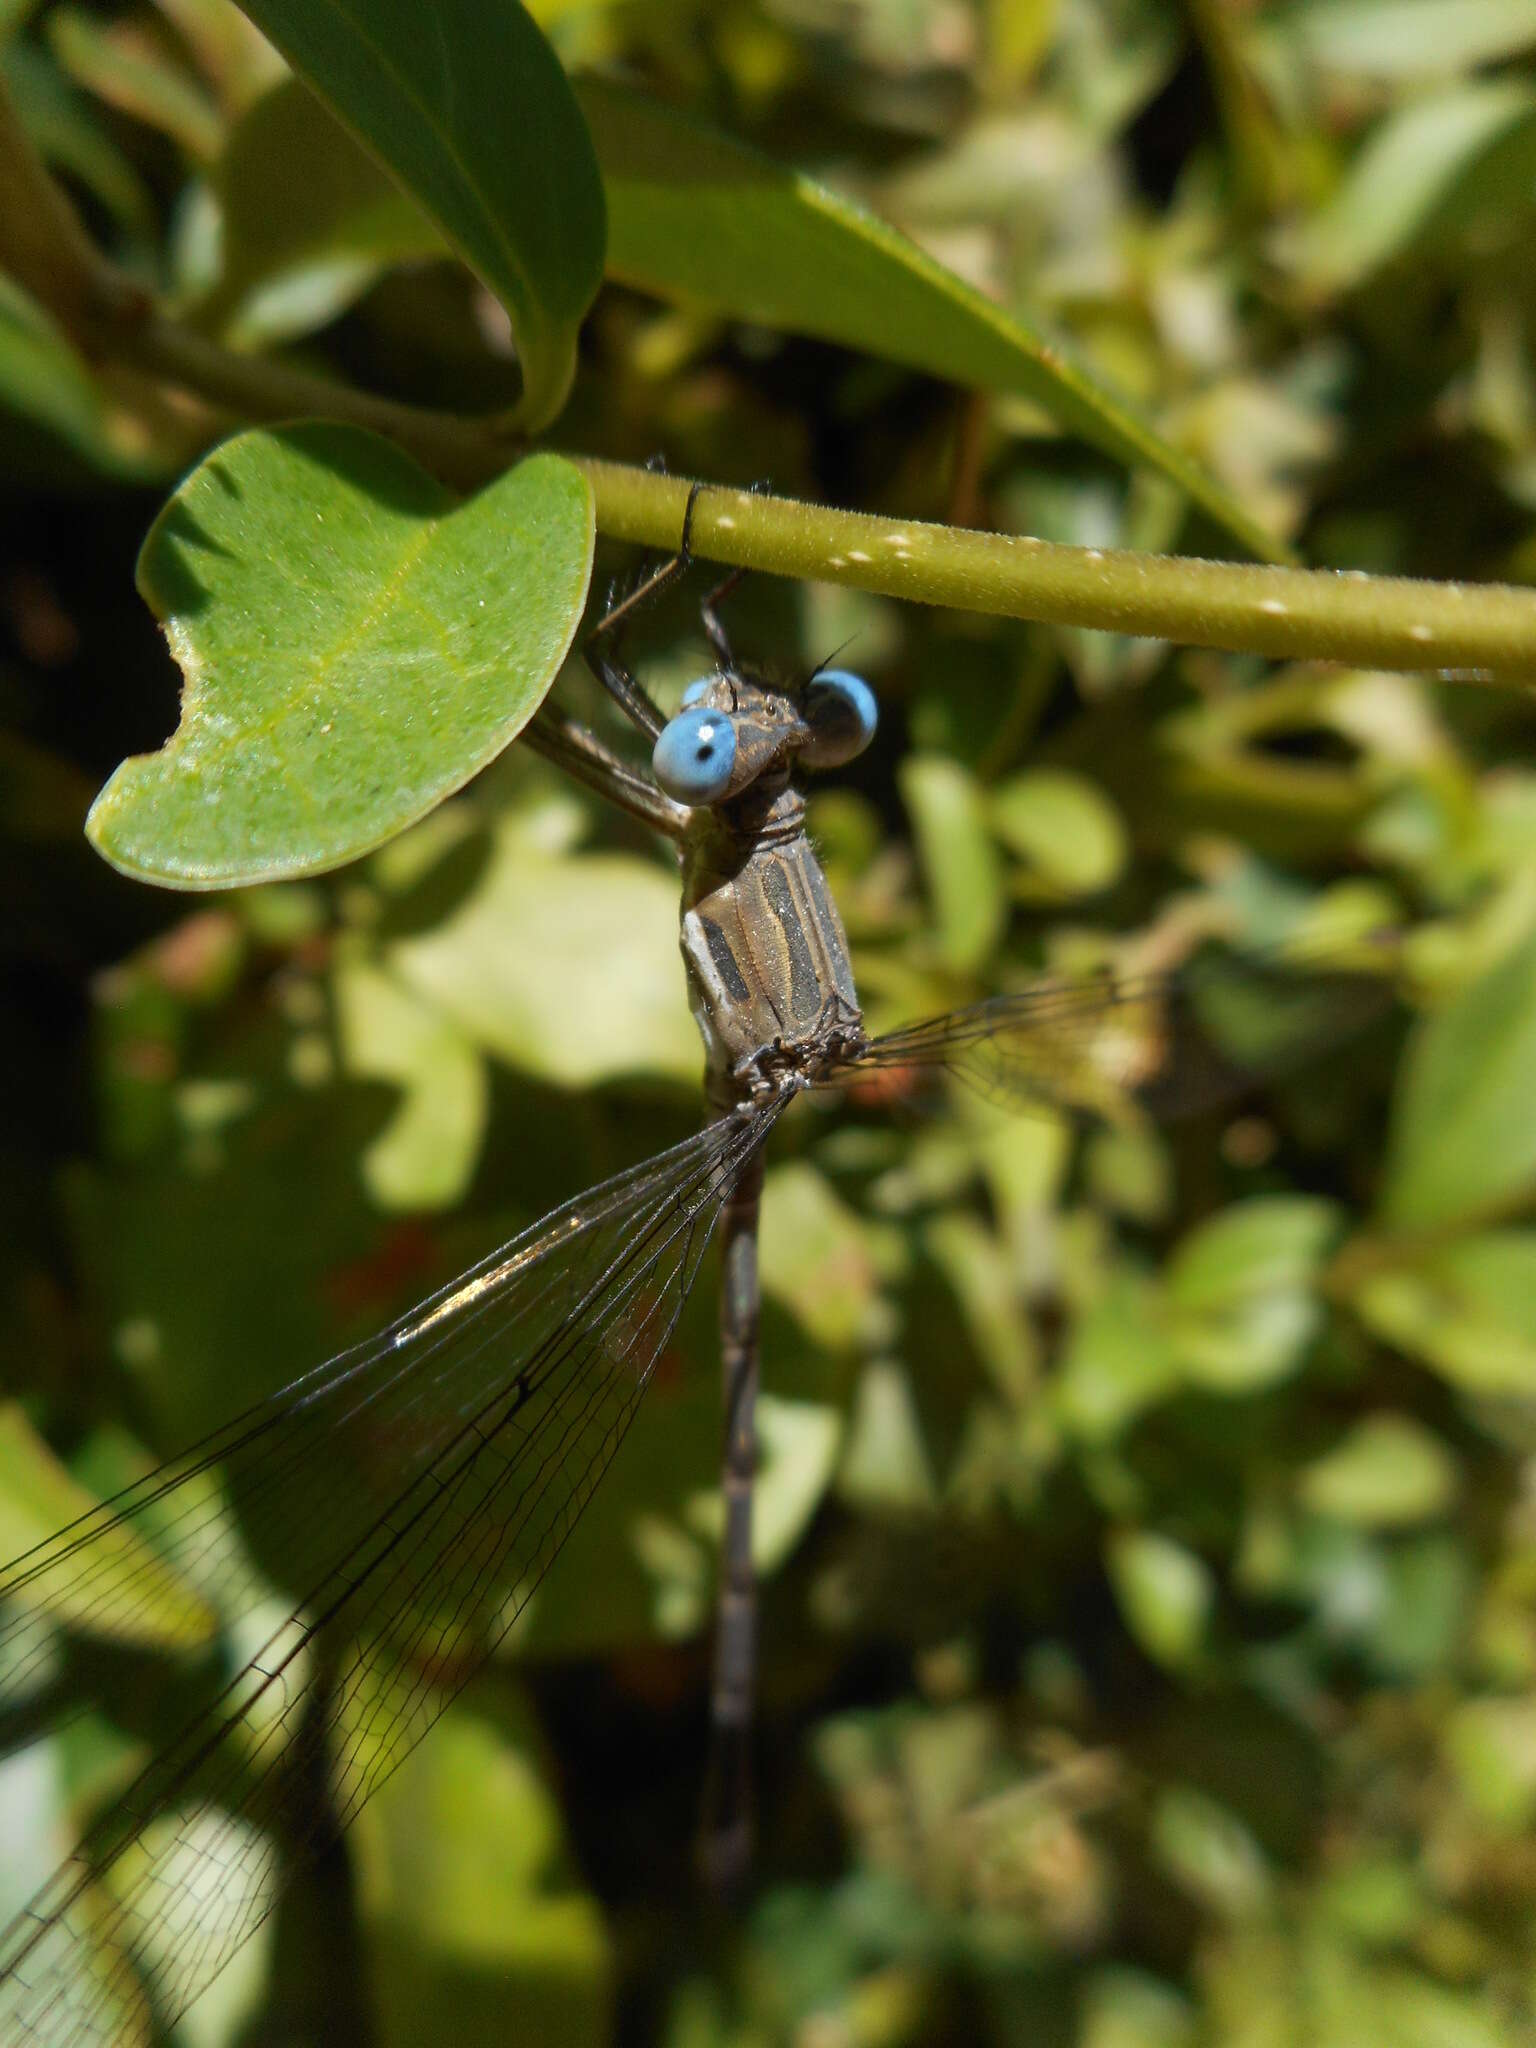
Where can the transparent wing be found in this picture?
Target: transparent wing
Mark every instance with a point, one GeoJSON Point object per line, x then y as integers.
{"type": "Point", "coordinates": [414, 1491]}
{"type": "Point", "coordinates": [1176, 1042]}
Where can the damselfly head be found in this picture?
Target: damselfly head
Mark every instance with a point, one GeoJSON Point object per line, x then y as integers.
{"type": "Point", "coordinates": [731, 731]}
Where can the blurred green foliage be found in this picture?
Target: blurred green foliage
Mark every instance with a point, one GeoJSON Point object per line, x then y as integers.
{"type": "Point", "coordinates": [1150, 1634]}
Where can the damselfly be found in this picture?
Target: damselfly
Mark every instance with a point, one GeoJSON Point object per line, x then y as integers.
{"type": "Point", "coordinates": [417, 1488]}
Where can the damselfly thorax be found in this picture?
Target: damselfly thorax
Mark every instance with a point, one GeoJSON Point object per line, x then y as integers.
{"type": "Point", "coordinates": [769, 980]}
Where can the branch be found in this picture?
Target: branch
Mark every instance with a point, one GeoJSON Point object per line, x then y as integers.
{"type": "Point", "coordinates": [1473, 632]}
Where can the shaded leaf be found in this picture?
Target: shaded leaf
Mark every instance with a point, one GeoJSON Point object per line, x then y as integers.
{"type": "Point", "coordinates": [467, 105]}
{"type": "Point", "coordinates": [309, 220]}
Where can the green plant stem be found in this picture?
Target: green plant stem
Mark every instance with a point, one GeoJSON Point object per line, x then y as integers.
{"type": "Point", "coordinates": [1475, 631]}
{"type": "Point", "coordinates": [1479, 632]}
{"type": "Point", "coordinates": [1471, 631]}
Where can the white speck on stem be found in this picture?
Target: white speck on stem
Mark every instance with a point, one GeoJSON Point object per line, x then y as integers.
{"type": "Point", "coordinates": [858, 555]}
{"type": "Point", "coordinates": [725, 522]}
{"type": "Point", "coordinates": [1093, 554]}
{"type": "Point", "coordinates": [1274, 607]}
{"type": "Point", "coordinates": [836, 562]}
{"type": "Point", "coordinates": [1421, 633]}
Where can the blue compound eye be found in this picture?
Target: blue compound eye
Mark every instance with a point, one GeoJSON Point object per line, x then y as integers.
{"type": "Point", "coordinates": [694, 756]}
{"type": "Point", "coordinates": [696, 690]}
{"type": "Point", "coordinates": [841, 711]}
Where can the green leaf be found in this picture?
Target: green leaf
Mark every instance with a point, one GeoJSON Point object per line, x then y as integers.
{"type": "Point", "coordinates": [68, 132]}
{"type": "Point", "coordinates": [1404, 38]}
{"type": "Point", "coordinates": [1468, 1309]}
{"type": "Point", "coordinates": [1117, 1362]}
{"type": "Point", "coordinates": [885, 1463]}
{"type": "Point", "coordinates": [1462, 1138]}
{"type": "Point", "coordinates": [130, 73]}
{"type": "Point", "coordinates": [131, 1595]}
{"type": "Point", "coordinates": [565, 966]}
{"type": "Point", "coordinates": [985, 1282]}
{"type": "Point", "coordinates": [1491, 1746]}
{"type": "Point", "coordinates": [425, 1155]}
{"type": "Point", "coordinates": [290, 268]}
{"type": "Point", "coordinates": [1388, 1472]}
{"type": "Point", "coordinates": [466, 104]}
{"type": "Point", "coordinates": [814, 1255]}
{"type": "Point", "coordinates": [1164, 1591]}
{"type": "Point", "coordinates": [1241, 1303]}
{"type": "Point", "coordinates": [1412, 171]}
{"type": "Point", "coordinates": [959, 858]}
{"type": "Point", "coordinates": [355, 644]}
{"type": "Point", "coordinates": [696, 217]}
{"type": "Point", "coordinates": [1210, 1852]}
{"type": "Point", "coordinates": [45, 383]}
{"type": "Point", "coordinates": [476, 1925]}
{"type": "Point", "coordinates": [1068, 835]}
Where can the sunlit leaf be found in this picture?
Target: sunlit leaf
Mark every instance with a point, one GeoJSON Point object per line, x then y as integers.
{"type": "Point", "coordinates": [424, 1156]}
{"type": "Point", "coordinates": [1069, 838]}
{"type": "Point", "coordinates": [1401, 38]}
{"type": "Point", "coordinates": [1467, 1308]}
{"type": "Point", "coordinates": [355, 645]}
{"type": "Point", "coordinates": [564, 966]}
{"type": "Point", "coordinates": [1389, 1470]}
{"type": "Point", "coordinates": [131, 1596]}
{"type": "Point", "coordinates": [475, 1920]}
{"type": "Point", "coordinates": [1165, 1593]}
{"type": "Point", "coordinates": [1241, 1292]}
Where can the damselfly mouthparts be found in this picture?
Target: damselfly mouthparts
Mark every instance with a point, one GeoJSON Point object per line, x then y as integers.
{"type": "Point", "coordinates": [412, 1492]}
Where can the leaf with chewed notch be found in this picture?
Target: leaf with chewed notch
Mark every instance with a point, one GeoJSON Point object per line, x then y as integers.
{"type": "Point", "coordinates": [356, 645]}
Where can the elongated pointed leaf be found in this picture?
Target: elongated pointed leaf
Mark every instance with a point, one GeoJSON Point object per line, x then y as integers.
{"type": "Point", "coordinates": [697, 217]}
{"type": "Point", "coordinates": [356, 645]}
{"type": "Point", "coordinates": [466, 104]}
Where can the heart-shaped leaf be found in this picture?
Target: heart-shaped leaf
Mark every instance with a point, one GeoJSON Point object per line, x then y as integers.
{"type": "Point", "coordinates": [356, 645]}
{"type": "Point", "coordinates": [466, 104]}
